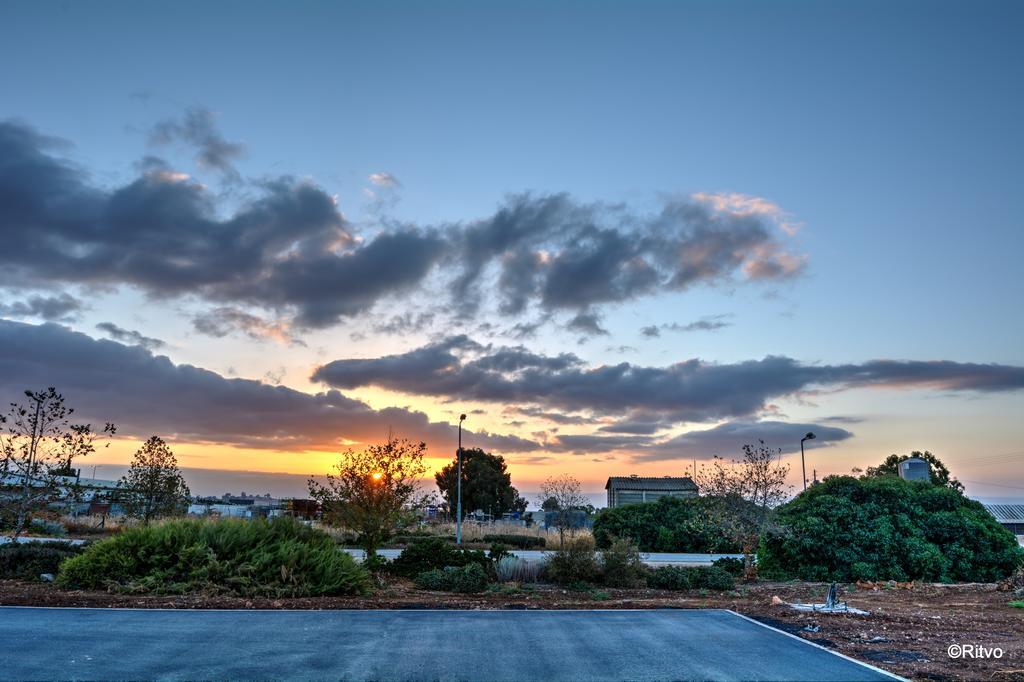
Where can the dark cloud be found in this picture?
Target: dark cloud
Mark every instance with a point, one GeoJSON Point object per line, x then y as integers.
{"type": "Point", "coordinates": [726, 440]}
{"type": "Point", "coordinates": [705, 324]}
{"type": "Point", "coordinates": [571, 256]}
{"type": "Point", "coordinates": [588, 324]}
{"type": "Point", "coordinates": [688, 391]}
{"type": "Point", "coordinates": [555, 417]}
{"type": "Point", "coordinates": [147, 394]}
{"type": "Point", "coordinates": [130, 336]}
{"type": "Point", "coordinates": [198, 129]}
{"type": "Point", "coordinates": [222, 321]}
{"type": "Point", "coordinates": [288, 249]}
{"type": "Point", "coordinates": [60, 308]}
{"type": "Point", "coordinates": [406, 323]}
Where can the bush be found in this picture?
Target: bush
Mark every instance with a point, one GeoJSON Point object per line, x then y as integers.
{"type": "Point", "coordinates": [468, 578]}
{"type": "Point", "coordinates": [517, 541]}
{"type": "Point", "coordinates": [47, 528]}
{"type": "Point", "coordinates": [434, 553]}
{"type": "Point", "coordinates": [730, 565]}
{"type": "Point", "coordinates": [376, 564]}
{"type": "Point", "coordinates": [498, 552]}
{"type": "Point", "coordinates": [669, 524]}
{"type": "Point", "coordinates": [621, 565]}
{"type": "Point", "coordinates": [26, 560]}
{"type": "Point", "coordinates": [885, 528]}
{"type": "Point", "coordinates": [514, 569]}
{"type": "Point", "coordinates": [576, 562]}
{"type": "Point", "coordinates": [690, 578]}
{"type": "Point", "coordinates": [275, 558]}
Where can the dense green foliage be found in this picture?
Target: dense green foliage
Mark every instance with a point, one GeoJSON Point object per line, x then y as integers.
{"type": "Point", "coordinates": [29, 559]}
{"type": "Point", "coordinates": [486, 484]}
{"type": "Point", "coordinates": [517, 541]}
{"type": "Point", "coordinates": [669, 524]}
{"type": "Point", "coordinates": [730, 565]}
{"type": "Point", "coordinates": [690, 578]}
{"type": "Point", "coordinates": [435, 553]}
{"type": "Point", "coordinates": [468, 578]}
{"type": "Point", "coordinates": [575, 562]}
{"type": "Point", "coordinates": [621, 565]}
{"type": "Point", "coordinates": [252, 558]}
{"type": "Point", "coordinates": [885, 528]}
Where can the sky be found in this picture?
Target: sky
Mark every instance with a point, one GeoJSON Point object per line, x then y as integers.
{"type": "Point", "coordinates": [621, 237]}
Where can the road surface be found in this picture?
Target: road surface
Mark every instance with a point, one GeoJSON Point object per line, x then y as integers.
{"type": "Point", "coordinates": [54, 643]}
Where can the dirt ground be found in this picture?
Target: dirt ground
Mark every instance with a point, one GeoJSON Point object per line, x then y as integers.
{"type": "Point", "coordinates": [907, 632]}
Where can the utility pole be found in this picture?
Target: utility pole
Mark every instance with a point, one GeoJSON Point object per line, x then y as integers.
{"type": "Point", "coordinates": [458, 485]}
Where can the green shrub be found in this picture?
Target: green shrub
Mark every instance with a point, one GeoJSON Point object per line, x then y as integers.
{"type": "Point", "coordinates": [730, 565]}
{"type": "Point", "coordinates": [26, 560]}
{"type": "Point", "coordinates": [885, 528]}
{"type": "Point", "coordinates": [517, 541]}
{"type": "Point", "coordinates": [276, 558]}
{"type": "Point", "coordinates": [468, 578]}
{"type": "Point", "coordinates": [376, 564]}
{"type": "Point", "coordinates": [690, 578]}
{"type": "Point", "coordinates": [621, 565]}
{"type": "Point", "coordinates": [48, 528]}
{"type": "Point", "coordinates": [574, 563]}
{"type": "Point", "coordinates": [498, 552]}
{"type": "Point", "coordinates": [435, 553]}
{"type": "Point", "coordinates": [669, 524]}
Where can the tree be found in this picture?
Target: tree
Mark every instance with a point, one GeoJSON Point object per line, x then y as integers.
{"type": "Point", "coordinates": [373, 490]}
{"type": "Point", "coordinates": [486, 484]}
{"type": "Point", "coordinates": [153, 487]}
{"type": "Point", "coordinates": [38, 445]}
{"type": "Point", "coordinates": [669, 524]}
{"type": "Point", "coordinates": [885, 528]}
{"type": "Point", "coordinates": [568, 503]}
{"type": "Point", "coordinates": [939, 473]}
{"type": "Point", "coordinates": [746, 492]}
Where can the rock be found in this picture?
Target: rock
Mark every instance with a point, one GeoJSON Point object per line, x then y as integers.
{"type": "Point", "coordinates": [46, 577]}
{"type": "Point", "coordinates": [776, 601]}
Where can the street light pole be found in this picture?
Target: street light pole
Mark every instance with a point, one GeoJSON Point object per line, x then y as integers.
{"type": "Point", "coordinates": [803, 467]}
{"type": "Point", "coordinates": [458, 485]}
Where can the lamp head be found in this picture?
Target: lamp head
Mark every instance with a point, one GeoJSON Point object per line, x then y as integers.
{"type": "Point", "coordinates": [809, 436]}
{"type": "Point", "coordinates": [462, 417]}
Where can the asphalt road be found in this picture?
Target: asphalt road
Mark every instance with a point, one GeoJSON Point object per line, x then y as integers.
{"type": "Point", "coordinates": [649, 558]}
{"type": "Point", "coordinates": [111, 644]}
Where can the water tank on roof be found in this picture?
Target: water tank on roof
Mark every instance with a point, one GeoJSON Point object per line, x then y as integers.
{"type": "Point", "coordinates": [915, 469]}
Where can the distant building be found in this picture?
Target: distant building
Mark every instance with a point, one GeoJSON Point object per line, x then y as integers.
{"type": "Point", "coordinates": [633, 489]}
{"type": "Point", "coordinates": [1009, 516]}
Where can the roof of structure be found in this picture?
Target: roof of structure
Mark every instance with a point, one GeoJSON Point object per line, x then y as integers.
{"type": "Point", "coordinates": [651, 483]}
{"type": "Point", "coordinates": [1007, 513]}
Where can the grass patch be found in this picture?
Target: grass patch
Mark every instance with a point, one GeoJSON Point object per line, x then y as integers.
{"type": "Point", "coordinates": [278, 558]}
{"type": "Point", "coordinates": [1016, 604]}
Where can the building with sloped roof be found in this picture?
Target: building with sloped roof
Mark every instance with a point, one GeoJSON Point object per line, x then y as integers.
{"type": "Point", "coordinates": [1009, 516]}
{"type": "Point", "coordinates": [634, 489]}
